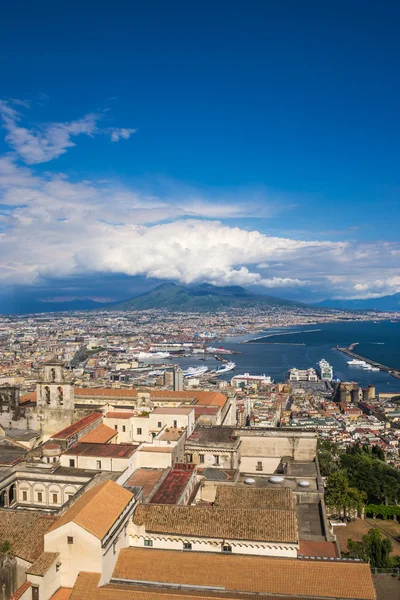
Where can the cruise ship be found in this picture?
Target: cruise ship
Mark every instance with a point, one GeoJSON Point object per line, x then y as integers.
{"type": "Point", "coordinates": [195, 371]}
{"type": "Point", "coordinates": [229, 366]}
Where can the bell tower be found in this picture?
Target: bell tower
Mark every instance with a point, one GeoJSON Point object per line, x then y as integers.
{"type": "Point", "coordinates": [55, 398]}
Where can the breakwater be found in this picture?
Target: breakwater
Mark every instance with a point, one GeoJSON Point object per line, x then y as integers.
{"type": "Point", "coordinates": [349, 351]}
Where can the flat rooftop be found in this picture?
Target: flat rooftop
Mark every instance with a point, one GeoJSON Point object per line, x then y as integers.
{"type": "Point", "coordinates": [103, 450]}
{"type": "Point", "coordinates": [145, 478]}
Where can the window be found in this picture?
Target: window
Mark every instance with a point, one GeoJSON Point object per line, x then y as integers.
{"type": "Point", "coordinates": [71, 462]}
{"type": "Point", "coordinates": [69, 496]}
{"type": "Point", "coordinates": [159, 424]}
{"type": "Point", "coordinates": [115, 548]}
{"type": "Point", "coordinates": [216, 460]}
{"type": "Point", "coordinates": [226, 548]}
{"type": "Point", "coordinates": [201, 458]}
{"type": "Point", "coordinates": [40, 497]}
{"type": "Point", "coordinates": [189, 458]}
{"type": "Point", "coordinates": [123, 428]}
{"type": "Point", "coordinates": [24, 496]}
{"type": "Point", "coordinates": [259, 466]}
{"type": "Point", "coordinates": [187, 546]}
{"type": "Point", "coordinates": [35, 592]}
{"type": "Point", "coordinates": [55, 498]}
{"type": "Point", "coordinates": [70, 540]}
{"type": "Point", "coordinates": [139, 431]}
{"type": "Point", "coordinates": [148, 542]}
{"type": "Point", "coordinates": [98, 464]}
{"type": "Point", "coordinates": [116, 427]}
{"type": "Point", "coordinates": [175, 424]}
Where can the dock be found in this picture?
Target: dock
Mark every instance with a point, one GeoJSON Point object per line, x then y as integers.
{"type": "Point", "coordinates": [349, 351]}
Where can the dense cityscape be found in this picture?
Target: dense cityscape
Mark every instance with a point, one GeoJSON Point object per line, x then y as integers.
{"type": "Point", "coordinates": [100, 421]}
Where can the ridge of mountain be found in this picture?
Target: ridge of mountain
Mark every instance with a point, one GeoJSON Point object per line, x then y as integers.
{"type": "Point", "coordinates": [201, 297]}
{"type": "Point", "coordinates": [383, 303]}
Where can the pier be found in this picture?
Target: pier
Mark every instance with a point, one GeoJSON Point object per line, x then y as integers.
{"type": "Point", "coordinates": [373, 363]}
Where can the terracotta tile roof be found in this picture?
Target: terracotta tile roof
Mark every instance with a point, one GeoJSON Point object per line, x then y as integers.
{"type": "Point", "coordinates": [201, 397]}
{"type": "Point", "coordinates": [98, 509]}
{"type": "Point", "coordinates": [100, 435]}
{"type": "Point", "coordinates": [146, 478]}
{"type": "Point", "coordinates": [25, 530]}
{"type": "Point", "coordinates": [252, 574]}
{"type": "Point", "coordinates": [21, 590]}
{"type": "Point", "coordinates": [62, 594]}
{"type": "Point", "coordinates": [104, 392]}
{"type": "Point", "coordinates": [43, 563]}
{"type": "Point", "coordinates": [172, 488]}
{"type": "Point", "coordinates": [78, 426]}
{"type": "Point", "coordinates": [86, 589]}
{"type": "Point", "coordinates": [102, 450]}
{"type": "Point", "coordinates": [120, 415]}
{"type": "Point", "coordinates": [31, 397]}
{"type": "Point", "coordinates": [171, 410]}
{"type": "Point", "coordinates": [311, 548]}
{"type": "Point", "coordinates": [210, 522]}
{"type": "Point", "coordinates": [247, 497]}
{"type": "Point", "coordinates": [162, 449]}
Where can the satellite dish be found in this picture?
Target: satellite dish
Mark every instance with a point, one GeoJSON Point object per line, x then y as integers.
{"type": "Point", "coordinates": [304, 484]}
{"type": "Point", "coordinates": [249, 481]}
{"type": "Point", "coordinates": [276, 479]}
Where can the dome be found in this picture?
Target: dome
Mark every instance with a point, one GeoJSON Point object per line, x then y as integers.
{"type": "Point", "coordinates": [276, 479]}
{"type": "Point", "coordinates": [249, 481]}
{"type": "Point", "coordinates": [304, 483]}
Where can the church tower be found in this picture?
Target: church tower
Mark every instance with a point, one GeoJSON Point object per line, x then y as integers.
{"type": "Point", "coordinates": [55, 398]}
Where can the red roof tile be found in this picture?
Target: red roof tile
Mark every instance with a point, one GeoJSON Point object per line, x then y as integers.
{"type": "Point", "coordinates": [172, 487]}
{"type": "Point", "coordinates": [78, 426]}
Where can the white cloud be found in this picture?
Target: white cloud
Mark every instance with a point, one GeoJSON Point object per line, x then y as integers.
{"type": "Point", "coordinates": [51, 227]}
{"type": "Point", "coordinates": [41, 144]}
{"type": "Point", "coordinates": [120, 133]}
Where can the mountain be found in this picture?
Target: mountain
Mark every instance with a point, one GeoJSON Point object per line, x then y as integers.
{"type": "Point", "coordinates": [384, 303]}
{"type": "Point", "coordinates": [202, 297]}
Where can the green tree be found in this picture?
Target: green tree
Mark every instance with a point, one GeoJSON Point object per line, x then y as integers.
{"type": "Point", "coordinates": [341, 497]}
{"type": "Point", "coordinates": [5, 547]}
{"type": "Point", "coordinates": [374, 548]}
{"type": "Point", "coordinates": [378, 453]}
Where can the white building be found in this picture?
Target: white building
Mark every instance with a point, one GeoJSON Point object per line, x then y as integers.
{"type": "Point", "coordinates": [250, 380]}
{"type": "Point", "coordinates": [303, 375]}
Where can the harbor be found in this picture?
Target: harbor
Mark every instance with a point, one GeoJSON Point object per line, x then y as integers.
{"type": "Point", "coordinates": [349, 351]}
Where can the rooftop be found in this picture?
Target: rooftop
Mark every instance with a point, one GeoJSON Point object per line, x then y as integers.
{"type": "Point", "coordinates": [75, 427]}
{"type": "Point", "coordinates": [210, 522]}
{"type": "Point", "coordinates": [43, 563]}
{"type": "Point", "coordinates": [97, 509]}
{"type": "Point", "coordinates": [172, 487]}
{"type": "Point", "coordinates": [248, 497]}
{"type": "Point", "coordinates": [146, 478]}
{"type": "Point", "coordinates": [100, 435]}
{"type": "Point", "coordinates": [253, 574]}
{"type": "Point", "coordinates": [103, 450]}
{"type": "Point", "coordinates": [104, 392]}
{"type": "Point", "coordinates": [120, 414]}
{"type": "Point", "coordinates": [212, 435]}
{"type": "Point", "coordinates": [170, 410]}
{"type": "Point", "coordinates": [25, 530]}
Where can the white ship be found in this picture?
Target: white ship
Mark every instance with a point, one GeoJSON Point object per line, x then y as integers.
{"type": "Point", "coordinates": [356, 363]}
{"type": "Point", "coordinates": [195, 371]}
{"type": "Point", "coordinates": [155, 355]}
{"type": "Point", "coordinates": [156, 373]}
{"type": "Point", "coordinates": [229, 366]}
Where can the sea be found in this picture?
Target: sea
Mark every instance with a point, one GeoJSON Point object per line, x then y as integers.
{"type": "Point", "coordinates": [276, 350]}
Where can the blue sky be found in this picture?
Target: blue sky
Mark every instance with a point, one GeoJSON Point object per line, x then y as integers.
{"type": "Point", "coordinates": [249, 143]}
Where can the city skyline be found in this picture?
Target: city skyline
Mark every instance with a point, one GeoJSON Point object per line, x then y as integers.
{"type": "Point", "coordinates": [243, 149]}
